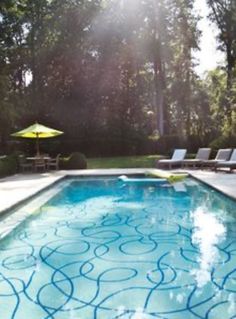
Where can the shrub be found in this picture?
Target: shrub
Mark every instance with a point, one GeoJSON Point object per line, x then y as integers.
{"type": "Point", "coordinates": [223, 141]}
{"type": "Point", "coordinates": [8, 165]}
{"type": "Point", "coordinates": [75, 161]}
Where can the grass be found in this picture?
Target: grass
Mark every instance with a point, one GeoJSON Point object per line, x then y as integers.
{"type": "Point", "coordinates": [145, 161]}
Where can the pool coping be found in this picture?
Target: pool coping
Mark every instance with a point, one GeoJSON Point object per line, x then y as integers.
{"type": "Point", "coordinates": [30, 197]}
{"type": "Point", "coordinates": [58, 176]}
{"type": "Point", "coordinates": [213, 186]}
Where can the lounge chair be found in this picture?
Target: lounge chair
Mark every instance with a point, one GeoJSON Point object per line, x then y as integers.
{"type": "Point", "coordinates": [176, 160]}
{"type": "Point", "coordinates": [203, 154]}
{"type": "Point", "coordinates": [222, 155]}
{"type": "Point", "coordinates": [231, 163]}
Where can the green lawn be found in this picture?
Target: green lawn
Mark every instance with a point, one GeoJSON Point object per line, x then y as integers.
{"type": "Point", "coordinates": [123, 162]}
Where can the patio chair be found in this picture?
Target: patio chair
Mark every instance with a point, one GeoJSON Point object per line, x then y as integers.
{"type": "Point", "coordinates": [54, 162]}
{"type": "Point", "coordinates": [24, 165]}
{"type": "Point", "coordinates": [231, 163]}
{"type": "Point", "coordinates": [203, 154]}
{"type": "Point", "coordinates": [176, 160]}
{"type": "Point", "coordinates": [40, 163]}
{"type": "Point", "coordinates": [222, 155]}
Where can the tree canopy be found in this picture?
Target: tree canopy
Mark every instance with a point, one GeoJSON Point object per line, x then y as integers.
{"type": "Point", "coordinates": [117, 77]}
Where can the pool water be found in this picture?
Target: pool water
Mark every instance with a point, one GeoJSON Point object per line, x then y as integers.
{"type": "Point", "coordinates": [101, 249]}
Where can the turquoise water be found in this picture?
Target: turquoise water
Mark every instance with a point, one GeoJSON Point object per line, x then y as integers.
{"type": "Point", "coordinates": [102, 249]}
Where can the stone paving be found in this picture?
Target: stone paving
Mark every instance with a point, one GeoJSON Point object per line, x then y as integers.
{"type": "Point", "coordinates": [16, 189]}
{"type": "Point", "coordinates": [223, 182]}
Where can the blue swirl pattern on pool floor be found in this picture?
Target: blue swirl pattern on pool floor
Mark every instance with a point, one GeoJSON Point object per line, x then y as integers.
{"type": "Point", "coordinates": [101, 249]}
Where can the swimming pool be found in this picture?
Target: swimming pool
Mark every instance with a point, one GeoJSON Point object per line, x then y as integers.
{"type": "Point", "coordinates": [103, 249]}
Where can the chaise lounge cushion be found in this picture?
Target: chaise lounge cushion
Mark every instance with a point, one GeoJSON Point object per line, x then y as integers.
{"type": "Point", "coordinates": [203, 154]}
{"type": "Point", "coordinates": [177, 158]}
{"type": "Point", "coordinates": [231, 163]}
{"type": "Point", "coordinates": [222, 155]}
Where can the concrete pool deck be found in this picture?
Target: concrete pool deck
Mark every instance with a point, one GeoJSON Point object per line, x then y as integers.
{"type": "Point", "coordinates": [18, 188]}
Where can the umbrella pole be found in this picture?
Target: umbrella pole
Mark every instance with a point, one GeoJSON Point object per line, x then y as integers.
{"type": "Point", "coordinates": [37, 144]}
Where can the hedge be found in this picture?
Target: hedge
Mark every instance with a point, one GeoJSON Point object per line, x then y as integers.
{"type": "Point", "coordinates": [75, 161]}
{"type": "Point", "coordinates": [8, 165]}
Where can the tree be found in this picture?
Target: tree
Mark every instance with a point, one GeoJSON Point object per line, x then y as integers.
{"type": "Point", "coordinates": [224, 15]}
{"type": "Point", "coordinates": [110, 74]}
{"type": "Point", "coordinates": [11, 68]}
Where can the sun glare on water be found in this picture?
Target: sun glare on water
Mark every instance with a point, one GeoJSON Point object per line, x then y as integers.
{"type": "Point", "coordinates": [208, 232]}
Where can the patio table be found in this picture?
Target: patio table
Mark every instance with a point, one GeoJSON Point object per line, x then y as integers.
{"type": "Point", "coordinates": [35, 158]}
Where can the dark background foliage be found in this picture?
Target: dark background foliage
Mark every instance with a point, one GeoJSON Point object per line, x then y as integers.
{"type": "Point", "coordinates": [117, 77]}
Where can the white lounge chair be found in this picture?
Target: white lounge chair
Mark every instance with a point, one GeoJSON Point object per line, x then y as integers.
{"type": "Point", "coordinates": [231, 163]}
{"type": "Point", "coordinates": [176, 160]}
{"type": "Point", "coordinates": [203, 154]}
{"type": "Point", "coordinates": [222, 155]}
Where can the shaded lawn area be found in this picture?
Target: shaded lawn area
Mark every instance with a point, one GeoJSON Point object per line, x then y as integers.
{"type": "Point", "coordinates": [145, 161]}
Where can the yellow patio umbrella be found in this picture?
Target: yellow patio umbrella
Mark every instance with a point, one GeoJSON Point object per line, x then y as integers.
{"type": "Point", "coordinates": [37, 131]}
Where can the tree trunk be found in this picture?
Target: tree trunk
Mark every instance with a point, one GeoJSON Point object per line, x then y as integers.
{"type": "Point", "coordinates": [158, 71]}
{"type": "Point", "coordinates": [159, 98]}
{"type": "Point", "coordinates": [230, 66]}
